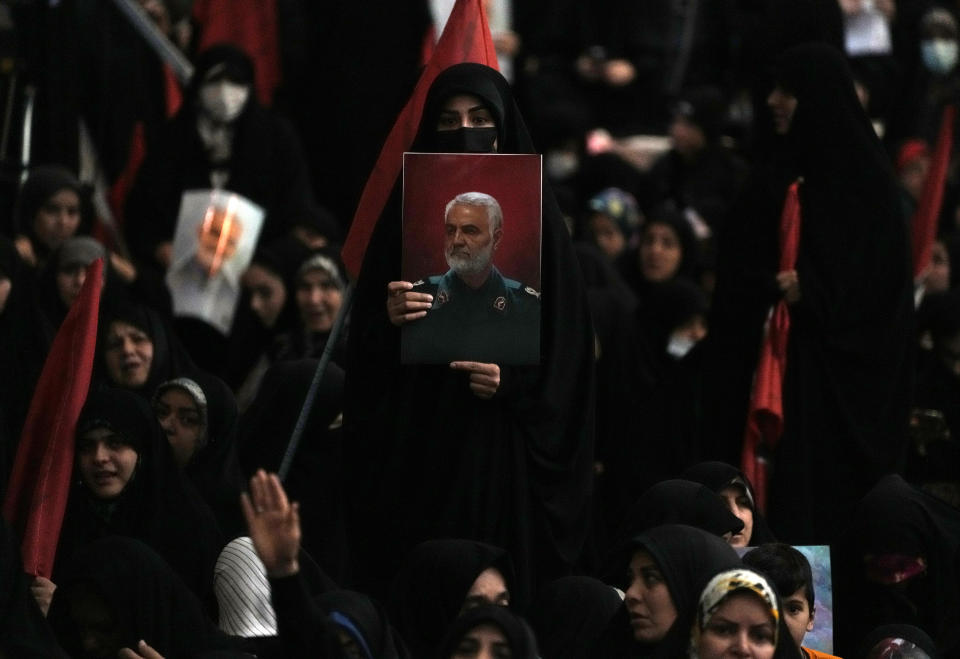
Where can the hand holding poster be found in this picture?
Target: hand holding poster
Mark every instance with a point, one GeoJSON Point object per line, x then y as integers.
{"type": "Point", "coordinates": [216, 235]}
{"type": "Point", "coordinates": [471, 240]}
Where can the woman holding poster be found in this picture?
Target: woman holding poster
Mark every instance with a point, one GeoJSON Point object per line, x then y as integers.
{"type": "Point", "coordinates": [483, 451]}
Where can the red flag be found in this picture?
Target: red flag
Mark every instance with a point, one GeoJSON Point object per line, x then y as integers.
{"type": "Point", "coordinates": [466, 38]}
{"type": "Point", "coordinates": [41, 477]}
{"type": "Point", "coordinates": [923, 225]}
{"type": "Point", "coordinates": [765, 416]}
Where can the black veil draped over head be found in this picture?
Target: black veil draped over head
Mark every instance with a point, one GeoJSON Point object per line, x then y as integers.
{"type": "Point", "coordinates": [430, 589]}
{"type": "Point", "coordinates": [678, 501]}
{"type": "Point", "coordinates": [720, 475]}
{"type": "Point", "coordinates": [880, 577]}
{"type": "Point", "coordinates": [850, 356]}
{"type": "Point", "coordinates": [170, 358]}
{"type": "Point", "coordinates": [158, 505]}
{"type": "Point", "coordinates": [516, 631]}
{"type": "Point", "coordinates": [570, 615]}
{"type": "Point", "coordinates": [429, 458]}
{"type": "Point", "coordinates": [687, 558]}
{"type": "Point", "coordinates": [214, 469]}
{"type": "Point", "coordinates": [145, 599]}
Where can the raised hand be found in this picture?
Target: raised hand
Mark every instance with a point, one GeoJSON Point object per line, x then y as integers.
{"type": "Point", "coordinates": [273, 523]}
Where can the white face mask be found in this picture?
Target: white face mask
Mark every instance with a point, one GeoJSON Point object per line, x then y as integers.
{"type": "Point", "coordinates": [939, 55]}
{"type": "Point", "coordinates": [223, 101]}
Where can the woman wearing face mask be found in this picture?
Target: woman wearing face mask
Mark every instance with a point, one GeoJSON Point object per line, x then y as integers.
{"type": "Point", "coordinates": [932, 80]}
{"type": "Point", "coordinates": [470, 448]}
{"type": "Point", "coordinates": [221, 138]}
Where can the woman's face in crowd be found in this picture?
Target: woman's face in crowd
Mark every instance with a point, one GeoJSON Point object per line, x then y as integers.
{"type": "Point", "coordinates": [268, 293]}
{"type": "Point", "coordinates": [648, 600]}
{"type": "Point", "coordinates": [181, 421]}
{"type": "Point", "coordinates": [319, 300]}
{"type": "Point", "coordinates": [782, 105]}
{"type": "Point", "coordinates": [129, 355]}
{"type": "Point", "coordinates": [69, 282]}
{"type": "Point", "coordinates": [741, 627]}
{"type": "Point", "coordinates": [483, 642]}
{"type": "Point", "coordinates": [607, 235]}
{"type": "Point", "coordinates": [660, 253]}
{"type": "Point", "coordinates": [488, 588]}
{"type": "Point", "coordinates": [58, 218]}
{"type": "Point", "coordinates": [106, 462]}
{"type": "Point", "coordinates": [739, 504]}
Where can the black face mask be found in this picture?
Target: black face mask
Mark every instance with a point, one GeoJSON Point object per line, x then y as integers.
{"type": "Point", "coordinates": [465, 140]}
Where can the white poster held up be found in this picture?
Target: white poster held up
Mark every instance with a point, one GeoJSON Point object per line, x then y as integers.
{"type": "Point", "coordinates": [217, 232]}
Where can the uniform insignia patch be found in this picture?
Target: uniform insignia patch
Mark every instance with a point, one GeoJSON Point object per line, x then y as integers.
{"type": "Point", "coordinates": [442, 297]}
{"type": "Point", "coordinates": [532, 291]}
{"type": "Point", "coordinates": [500, 303]}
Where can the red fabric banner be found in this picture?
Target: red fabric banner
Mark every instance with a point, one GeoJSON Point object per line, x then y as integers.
{"type": "Point", "coordinates": [40, 482]}
{"type": "Point", "coordinates": [466, 38]}
{"type": "Point", "coordinates": [923, 224]}
{"type": "Point", "coordinates": [765, 415]}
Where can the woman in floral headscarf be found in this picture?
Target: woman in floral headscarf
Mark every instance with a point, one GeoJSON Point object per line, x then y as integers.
{"type": "Point", "coordinates": [739, 615]}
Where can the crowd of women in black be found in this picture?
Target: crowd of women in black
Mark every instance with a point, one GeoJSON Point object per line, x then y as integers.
{"type": "Point", "coordinates": [590, 506]}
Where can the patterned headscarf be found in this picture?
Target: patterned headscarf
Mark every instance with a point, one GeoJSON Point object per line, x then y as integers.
{"type": "Point", "coordinates": [720, 588]}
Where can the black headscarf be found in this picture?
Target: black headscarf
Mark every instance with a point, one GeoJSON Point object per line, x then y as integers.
{"type": "Point", "coordinates": [515, 630]}
{"type": "Point", "coordinates": [720, 475]}
{"type": "Point", "coordinates": [146, 599]}
{"type": "Point", "coordinates": [170, 359]}
{"type": "Point", "coordinates": [214, 469]}
{"type": "Point", "coordinates": [364, 621]}
{"type": "Point", "coordinates": [679, 502]}
{"type": "Point", "coordinates": [628, 262]}
{"type": "Point", "coordinates": [687, 558]}
{"type": "Point", "coordinates": [570, 615]}
{"type": "Point", "coordinates": [849, 374]}
{"type": "Point", "coordinates": [909, 633]}
{"type": "Point", "coordinates": [897, 519]}
{"type": "Point", "coordinates": [42, 183]}
{"type": "Point", "coordinates": [157, 506]}
{"type": "Point", "coordinates": [519, 471]}
{"type": "Point", "coordinates": [430, 589]}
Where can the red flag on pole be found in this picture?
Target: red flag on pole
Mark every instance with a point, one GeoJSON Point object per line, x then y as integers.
{"type": "Point", "coordinates": [765, 415]}
{"type": "Point", "coordinates": [923, 224]}
{"type": "Point", "coordinates": [466, 38]}
{"type": "Point", "coordinates": [41, 477]}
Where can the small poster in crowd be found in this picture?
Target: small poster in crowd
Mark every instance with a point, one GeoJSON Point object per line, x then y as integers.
{"type": "Point", "coordinates": [216, 234]}
{"type": "Point", "coordinates": [472, 228]}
